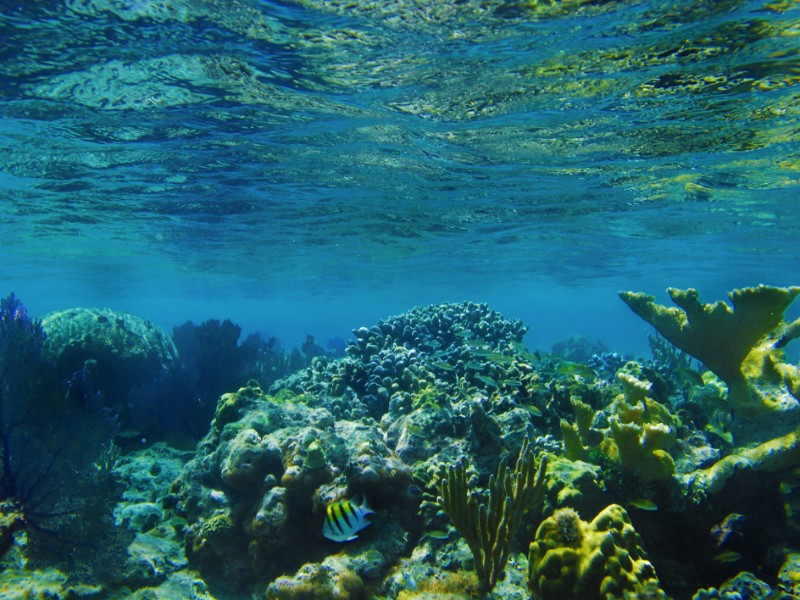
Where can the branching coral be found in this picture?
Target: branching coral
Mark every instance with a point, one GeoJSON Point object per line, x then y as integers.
{"type": "Point", "coordinates": [489, 528]}
{"type": "Point", "coordinates": [640, 434]}
{"type": "Point", "coordinates": [779, 454]}
{"type": "Point", "coordinates": [642, 431]}
{"type": "Point", "coordinates": [737, 344]}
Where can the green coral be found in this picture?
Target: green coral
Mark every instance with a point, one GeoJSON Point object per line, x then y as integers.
{"type": "Point", "coordinates": [315, 457]}
{"type": "Point", "coordinates": [429, 397]}
{"type": "Point", "coordinates": [642, 431]}
{"type": "Point", "coordinates": [740, 345]}
{"type": "Point", "coordinates": [489, 528]}
{"type": "Point", "coordinates": [211, 538]}
{"type": "Point", "coordinates": [579, 436]}
{"type": "Point", "coordinates": [574, 560]}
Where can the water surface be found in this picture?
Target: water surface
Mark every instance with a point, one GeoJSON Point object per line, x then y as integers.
{"type": "Point", "coordinates": [313, 166]}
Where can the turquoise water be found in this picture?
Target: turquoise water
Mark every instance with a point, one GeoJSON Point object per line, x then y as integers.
{"type": "Point", "coordinates": [309, 167]}
{"type": "Point", "coordinates": [305, 168]}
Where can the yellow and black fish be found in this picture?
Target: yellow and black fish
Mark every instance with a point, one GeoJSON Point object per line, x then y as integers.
{"type": "Point", "coordinates": [345, 518]}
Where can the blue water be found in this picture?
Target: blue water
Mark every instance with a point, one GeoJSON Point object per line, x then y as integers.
{"type": "Point", "coordinates": [313, 166]}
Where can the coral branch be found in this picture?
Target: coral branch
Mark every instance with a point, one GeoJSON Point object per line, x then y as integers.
{"type": "Point", "coordinates": [720, 337]}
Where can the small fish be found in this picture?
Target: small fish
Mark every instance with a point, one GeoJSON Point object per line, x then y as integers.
{"type": "Point", "coordinates": [571, 369]}
{"type": "Point", "coordinates": [444, 366]}
{"type": "Point", "coordinates": [520, 348]}
{"type": "Point", "coordinates": [486, 380]}
{"type": "Point", "coordinates": [483, 352]}
{"type": "Point", "coordinates": [512, 382]}
{"type": "Point", "coordinates": [501, 359]}
{"type": "Point", "coordinates": [690, 377]}
{"type": "Point", "coordinates": [345, 518]}
{"type": "Point", "coordinates": [729, 556]}
{"type": "Point", "coordinates": [644, 504]}
{"type": "Point", "coordinates": [436, 534]}
{"type": "Point", "coordinates": [534, 410]}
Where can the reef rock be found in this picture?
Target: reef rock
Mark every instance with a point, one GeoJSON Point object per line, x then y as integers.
{"type": "Point", "coordinates": [118, 359]}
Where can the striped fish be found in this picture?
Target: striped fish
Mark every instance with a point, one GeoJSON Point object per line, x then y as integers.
{"type": "Point", "coordinates": [345, 518]}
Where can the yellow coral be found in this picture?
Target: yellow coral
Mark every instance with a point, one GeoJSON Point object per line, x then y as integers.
{"type": "Point", "coordinates": [317, 581]}
{"type": "Point", "coordinates": [641, 448]}
{"type": "Point", "coordinates": [641, 431]}
{"type": "Point", "coordinates": [723, 338]}
{"type": "Point", "coordinates": [775, 455]}
{"type": "Point", "coordinates": [578, 436]}
{"type": "Point", "coordinates": [634, 389]}
{"type": "Point", "coordinates": [574, 560]}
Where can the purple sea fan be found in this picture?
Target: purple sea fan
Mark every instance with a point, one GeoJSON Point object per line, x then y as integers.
{"type": "Point", "coordinates": [21, 340]}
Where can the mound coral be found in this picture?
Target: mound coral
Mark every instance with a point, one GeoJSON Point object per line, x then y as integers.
{"type": "Point", "coordinates": [264, 475]}
{"type": "Point", "coordinates": [574, 560]}
{"type": "Point", "coordinates": [742, 345]}
{"type": "Point", "coordinates": [317, 581]}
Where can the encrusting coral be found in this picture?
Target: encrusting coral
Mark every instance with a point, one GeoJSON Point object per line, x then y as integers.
{"type": "Point", "coordinates": [489, 529]}
{"type": "Point", "coordinates": [317, 581]}
{"type": "Point", "coordinates": [779, 454]}
{"type": "Point", "coordinates": [740, 345]}
{"type": "Point", "coordinates": [574, 560]}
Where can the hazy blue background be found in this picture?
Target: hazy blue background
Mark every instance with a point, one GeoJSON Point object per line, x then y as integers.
{"type": "Point", "coordinates": [313, 166]}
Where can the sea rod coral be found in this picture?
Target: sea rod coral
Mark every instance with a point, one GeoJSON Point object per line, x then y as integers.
{"type": "Point", "coordinates": [489, 528]}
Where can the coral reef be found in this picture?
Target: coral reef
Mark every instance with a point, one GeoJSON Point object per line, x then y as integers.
{"type": "Point", "coordinates": [571, 559]}
{"type": "Point", "coordinates": [46, 447]}
{"type": "Point", "coordinates": [639, 436]}
{"type": "Point", "coordinates": [394, 360]}
{"type": "Point", "coordinates": [133, 348]}
{"type": "Point", "coordinates": [215, 362]}
{"type": "Point", "coordinates": [317, 581]}
{"type": "Point", "coordinates": [642, 431]}
{"type": "Point", "coordinates": [130, 364]}
{"type": "Point", "coordinates": [776, 455]}
{"type": "Point", "coordinates": [434, 417]}
{"type": "Point", "coordinates": [264, 475]}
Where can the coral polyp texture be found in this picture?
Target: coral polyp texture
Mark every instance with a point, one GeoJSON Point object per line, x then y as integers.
{"type": "Point", "coordinates": [740, 344]}
{"type": "Point", "coordinates": [640, 434]}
